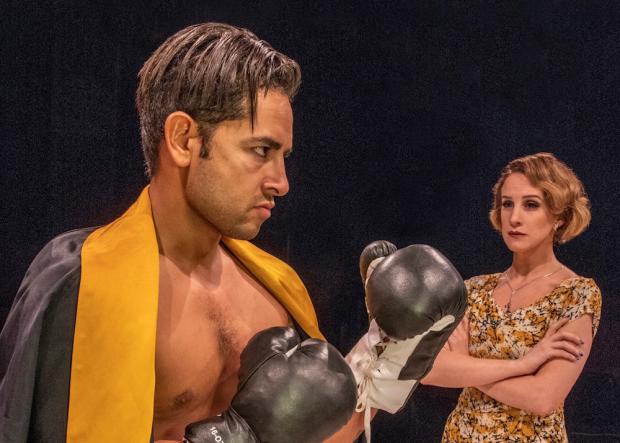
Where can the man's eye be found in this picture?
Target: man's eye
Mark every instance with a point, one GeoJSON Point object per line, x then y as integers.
{"type": "Point", "coordinates": [260, 150]}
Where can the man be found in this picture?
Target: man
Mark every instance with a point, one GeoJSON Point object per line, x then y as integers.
{"type": "Point", "coordinates": [139, 326]}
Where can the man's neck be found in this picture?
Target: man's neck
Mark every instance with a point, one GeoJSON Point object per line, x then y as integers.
{"type": "Point", "coordinates": [182, 235]}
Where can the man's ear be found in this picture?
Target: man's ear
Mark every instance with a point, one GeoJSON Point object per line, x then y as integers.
{"type": "Point", "coordinates": [180, 132]}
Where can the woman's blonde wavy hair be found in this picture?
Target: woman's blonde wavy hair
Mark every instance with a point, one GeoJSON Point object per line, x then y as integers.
{"type": "Point", "coordinates": [562, 190]}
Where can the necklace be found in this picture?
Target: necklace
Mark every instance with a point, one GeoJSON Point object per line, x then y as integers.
{"type": "Point", "coordinates": [513, 290]}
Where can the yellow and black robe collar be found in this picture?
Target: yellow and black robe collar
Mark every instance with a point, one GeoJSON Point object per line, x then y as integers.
{"type": "Point", "coordinates": [113, 363]}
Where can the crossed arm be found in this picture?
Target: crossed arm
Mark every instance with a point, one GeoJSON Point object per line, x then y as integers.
{"type": "Point", "coordinates": [538, 382]}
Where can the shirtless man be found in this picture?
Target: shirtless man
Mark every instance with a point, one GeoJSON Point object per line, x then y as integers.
{"type": "Point", "coordinates": [209, 306]}
{"type": "Point", "coordinates": [139, 326]}
{"type": "Point", "coordinates": [171, 292]}
{"type": "Point", "coordinates": [211, 180]}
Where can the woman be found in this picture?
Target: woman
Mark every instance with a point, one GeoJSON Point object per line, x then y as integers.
{"type": "Point", "coordinates": [528, 330]}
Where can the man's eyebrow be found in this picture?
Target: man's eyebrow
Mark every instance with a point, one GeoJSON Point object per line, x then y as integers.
{"type": "Point", "coordinates": [267, 141]}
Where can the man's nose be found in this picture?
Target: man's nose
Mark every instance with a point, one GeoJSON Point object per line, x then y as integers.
{"type": "Point", "coordinates": [277, 181]}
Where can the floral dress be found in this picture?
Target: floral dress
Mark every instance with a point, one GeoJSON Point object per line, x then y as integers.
{"type": "Point", "coordinates": [494, 333]}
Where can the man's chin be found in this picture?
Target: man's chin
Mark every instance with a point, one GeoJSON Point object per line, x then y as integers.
{"type": "Point", "coordinates": [245, 232]}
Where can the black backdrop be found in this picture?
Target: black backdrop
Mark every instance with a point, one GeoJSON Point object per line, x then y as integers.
{"type": "Point", "coordinates": [407, 112]}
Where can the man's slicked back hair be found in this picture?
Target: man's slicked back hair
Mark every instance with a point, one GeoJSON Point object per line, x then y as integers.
{"type": "Point", "coordinates": [213, 72]}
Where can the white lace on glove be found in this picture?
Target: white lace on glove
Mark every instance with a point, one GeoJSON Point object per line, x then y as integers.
{"type": "Point", "coordinates": [376, 362]}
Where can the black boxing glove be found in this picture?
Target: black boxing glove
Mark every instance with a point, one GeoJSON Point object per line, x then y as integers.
{"type": "Point", "coordinates": [415, 298]}
{"type": "Point", "coordinates": [288, 391]}
{"type": "Point", "coordinates": [373, 254]}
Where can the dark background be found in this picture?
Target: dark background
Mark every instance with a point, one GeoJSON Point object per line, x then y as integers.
{"type": "Point", "coordinates": [407, 112]}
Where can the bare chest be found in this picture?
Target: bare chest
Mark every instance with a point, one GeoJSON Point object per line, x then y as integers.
{"type": "Point", "coordinates": [202, 328]}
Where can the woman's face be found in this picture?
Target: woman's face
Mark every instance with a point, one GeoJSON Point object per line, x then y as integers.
{"type": "Point", "coordinates": [527, 223]}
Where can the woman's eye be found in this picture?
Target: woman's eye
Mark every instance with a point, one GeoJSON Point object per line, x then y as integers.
{"type": "Point", "coordinates": [531, 205]}
{"type": "Point", "coordinates": [507, 204]}
{"type": "Point", "coordinates": [260, 150]}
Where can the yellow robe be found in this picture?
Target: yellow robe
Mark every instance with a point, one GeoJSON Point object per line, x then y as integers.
{"type": "Point", "coordinates": [113, 363]}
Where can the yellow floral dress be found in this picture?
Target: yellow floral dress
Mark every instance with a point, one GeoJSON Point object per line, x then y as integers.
{"type": "Point", "coordinates": [494, 333]}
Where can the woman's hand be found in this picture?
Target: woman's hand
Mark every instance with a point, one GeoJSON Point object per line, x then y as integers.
{"type": "Point", "coordinates": [459, 339]}
{"type": "Point", "coordinates": [555, 344]}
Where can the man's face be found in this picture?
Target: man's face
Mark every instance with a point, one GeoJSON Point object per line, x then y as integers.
{"type": "Point", "coordinates": [233, 189]}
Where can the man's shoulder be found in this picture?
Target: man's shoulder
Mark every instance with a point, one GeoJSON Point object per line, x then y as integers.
{"type": "Point", "coordinates": [62, 249]}
{"type": "Point", "coordinates": [248, 253]}
{"type": "Point", "coordinates": [58, 260]}
{"type": "Point", "coordinates": [69, 242]}
{"type": "Point", "coordinates": [275, 260]}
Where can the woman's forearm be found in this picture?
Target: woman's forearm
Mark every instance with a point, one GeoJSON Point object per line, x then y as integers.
{"type": "Point", "coordinates": [524, 392]}
{"type": "Point", "coordinates": [456, 370]}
